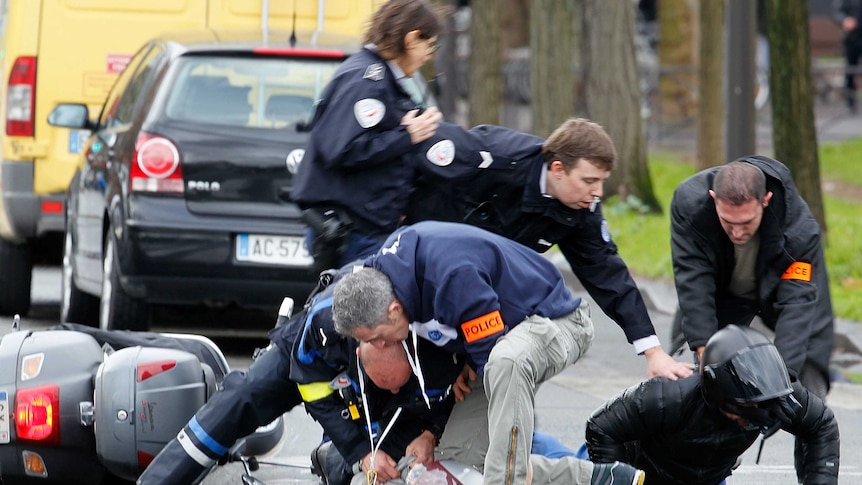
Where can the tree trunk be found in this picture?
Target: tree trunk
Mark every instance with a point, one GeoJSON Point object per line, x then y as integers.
{"type": "Point", "coordinates": [613, 97]}
{"type": "Point", "coordinates": [676, 58]}
{"type": "Point", "coordinates": [441, 73]}
{"type": "Point", "coordinates": [794, 135]}
{"type": "Point", "coordinates": [552, 64]}
{"type": "Point", "coordinates": [485, 84]}
{"type": "Point", "coordinates": [710, 120]}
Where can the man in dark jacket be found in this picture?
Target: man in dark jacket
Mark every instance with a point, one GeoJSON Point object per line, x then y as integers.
{"type": "Point", "coordinates": [540, 193]}
{"type": "Point", "coordinates": [744, 244]}
{"type": "Point", "coordinates": [692, 431]}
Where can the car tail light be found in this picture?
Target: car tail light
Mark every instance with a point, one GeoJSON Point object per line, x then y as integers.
{"type": "Point", "coordinates": [156, 166]}
{"type": "Point", "coordinates": [20, 97]}
{"type": "Point", "coordinates": [37, 414]}
{"type": "Point", "coordinates": [149, 369]}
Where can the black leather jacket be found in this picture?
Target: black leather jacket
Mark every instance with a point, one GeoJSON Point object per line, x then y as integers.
{"type": "Point", "coordinates": [667, 429]}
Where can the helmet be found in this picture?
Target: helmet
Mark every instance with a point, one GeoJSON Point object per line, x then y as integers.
{"type": "Point", "coordinates": [740, 365]}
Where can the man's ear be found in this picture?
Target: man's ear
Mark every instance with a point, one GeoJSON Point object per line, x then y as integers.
{"type": "Point", "coordinates": [411, 38]}
{"type": "Point", "coordinates": [394, 307]}
{"type": "Point", "coordinates": [712, 194]}
{"type": "Point", "coordinates": [766, 199]}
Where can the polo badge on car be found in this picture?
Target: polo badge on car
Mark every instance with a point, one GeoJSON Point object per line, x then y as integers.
{"type": "Point", "coordinates": [294, 158]}
{"type": "Point", "coordinates": [204, 186]}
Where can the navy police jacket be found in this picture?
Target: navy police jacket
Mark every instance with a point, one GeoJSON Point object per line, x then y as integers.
{"type": "Point", "coordinates": [488, 177]}
{"type": "Point", "coordinates": [355, 157]}
{"type": "Point", "coordinates": [324, 367]}
{"type": "Point", "coordinates": [469, 286]}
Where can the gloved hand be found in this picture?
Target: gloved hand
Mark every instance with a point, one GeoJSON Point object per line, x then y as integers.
{"type": "Point", "coordinates": [786, 409]}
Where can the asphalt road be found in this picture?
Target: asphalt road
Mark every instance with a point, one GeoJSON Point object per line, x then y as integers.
{"type": "Point", "coordinates": [563, 404]}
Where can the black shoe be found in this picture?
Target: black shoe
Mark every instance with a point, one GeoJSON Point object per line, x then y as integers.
{"type": "Point", "coordinates": [318, 461]}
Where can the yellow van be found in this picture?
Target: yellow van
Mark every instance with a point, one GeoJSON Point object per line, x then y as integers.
{"type": "Point", "coordinates": [70, 51]}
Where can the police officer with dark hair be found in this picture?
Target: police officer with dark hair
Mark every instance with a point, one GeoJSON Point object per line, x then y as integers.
{"type": "Point", "coordinates": [354, 182]}
{"type": "Point", "coordinates": [693, 430]}
{"type": "Point", "coordinates": [540, 193]}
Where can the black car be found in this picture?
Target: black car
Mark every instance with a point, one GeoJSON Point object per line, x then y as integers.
{"type": "Point", "coordinates": [182, 194]}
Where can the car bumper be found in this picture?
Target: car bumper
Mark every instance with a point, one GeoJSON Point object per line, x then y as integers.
{"type": "Point", "coordinates": [171, 266]}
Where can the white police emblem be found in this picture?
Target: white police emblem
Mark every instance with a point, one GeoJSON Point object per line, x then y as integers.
{"type": "Point", "coordinates": [293, 160]}
{"type": "Point", "coordinates": [606, 232]}
{"type": "Point", "coordinates": [374, 72]}
{"type": "Point", "coordinates": [368, 112]}
{"type": "Point", "coordinates": [441, 153]}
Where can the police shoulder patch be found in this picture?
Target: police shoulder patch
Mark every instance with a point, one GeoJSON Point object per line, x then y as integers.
{"type": "Point", "coordinates": [798, 271]}
{"type": "Point", "coordinates": [374, 72]}
{"type": "Point", "coordinates": [481, 327]}
{"type": "Point", "coordinates": [606, 231]}
{"type": "Point", "coordinates": [441, 153]}
{"type": "Point", "coordinates": [369, 112]}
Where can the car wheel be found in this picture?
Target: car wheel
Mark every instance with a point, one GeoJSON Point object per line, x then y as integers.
{"type": "Point", "coordinates": [119, 311]}
{"type": "Point", "coordinates": [76, 306]}
{"type": "Point", "coordinates": [17, 270]}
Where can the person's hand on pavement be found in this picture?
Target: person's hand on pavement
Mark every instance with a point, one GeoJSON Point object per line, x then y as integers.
{"type": "Point", "coordinates": [422, 126]}
{"type": "Point", "coordinates": [660, 364]}
{"type": "Point", "coordinates": [461, 387]}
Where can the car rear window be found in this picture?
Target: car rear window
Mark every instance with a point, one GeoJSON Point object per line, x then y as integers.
{"type": "Point", "coordinates": [254, 92]}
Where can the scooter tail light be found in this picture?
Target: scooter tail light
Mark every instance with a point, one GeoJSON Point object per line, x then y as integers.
{"type": "Point", "coordinates": [150, 369]}
{"type": "Point", "coordinates": [37, 414]}
{"type": "Point", "coordinates": [144, 459]}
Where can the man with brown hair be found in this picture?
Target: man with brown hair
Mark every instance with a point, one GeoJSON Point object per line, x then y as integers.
{"type": "Point", "coordinates": [540, 193]}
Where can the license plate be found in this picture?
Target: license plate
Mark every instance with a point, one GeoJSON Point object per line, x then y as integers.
{"type": "Point", "coordinates": [77, 140]}
{"type": "Point", "coordinates": [4, 418]}
{"type": "Point", "coordinates": [275, 250]}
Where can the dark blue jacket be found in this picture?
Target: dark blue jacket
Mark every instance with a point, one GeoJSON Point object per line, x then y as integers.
{"type": "Point", "coordinates": [489, 177]}
{"type": "Point", "coordinates": [323, 366]}
{"type": "Point", "coordinates": [470, 286]}
{"type": "Point", "coordinates": [355, 157]}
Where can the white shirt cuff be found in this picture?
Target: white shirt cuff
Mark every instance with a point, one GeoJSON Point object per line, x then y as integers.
{"type": "Point", "coordinates": [642, 344]}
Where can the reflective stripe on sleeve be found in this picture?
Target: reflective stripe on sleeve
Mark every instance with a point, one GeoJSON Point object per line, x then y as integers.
{"type": "Point", "coordinates": [314, 391]}
{"type": "Point", "coordinates": [192, 450]}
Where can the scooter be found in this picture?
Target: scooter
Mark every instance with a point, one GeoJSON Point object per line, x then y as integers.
{"type": "Point", "coordinates": [73, 409]}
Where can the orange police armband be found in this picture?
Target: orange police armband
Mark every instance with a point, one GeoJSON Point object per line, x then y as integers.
{"type": "Point", "coordinates": [481, 327]}
{"type": "Point", "coordinates": [798, 271]}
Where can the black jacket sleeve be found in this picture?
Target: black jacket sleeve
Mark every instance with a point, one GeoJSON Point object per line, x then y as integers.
{"type": "Point", "coordinates": [815, 425]}
{"type": "Point", "coordinates": [594, 259]}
